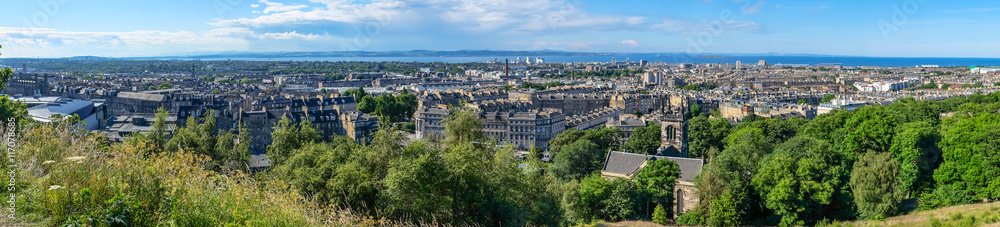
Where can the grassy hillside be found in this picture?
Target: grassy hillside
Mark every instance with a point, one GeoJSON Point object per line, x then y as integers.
{"type": "Point", "coordinates": [985, 214]}
{"type": "Point", "coordinates": [74, 178]}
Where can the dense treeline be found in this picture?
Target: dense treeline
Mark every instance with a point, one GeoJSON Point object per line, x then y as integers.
{"type": "Point", "coordinates": [847, 165]}
{"type": "Point", "coordinates": [469, 179]}
{"type": "Point", "coordinates": [540, 86]}
{"type": "Point", "coordinates": [386, 106]}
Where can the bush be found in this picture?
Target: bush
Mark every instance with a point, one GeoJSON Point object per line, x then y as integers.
{"type": "Point", "coordinates": [693, 217]}
{"type": "Point", "coordinates": [660, 215]}
{"type": "Point", "coordinates": [75, 178]}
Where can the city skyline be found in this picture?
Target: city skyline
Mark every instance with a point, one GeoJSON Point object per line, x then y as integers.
{"type": "Point", "coordinates": [914, 28]}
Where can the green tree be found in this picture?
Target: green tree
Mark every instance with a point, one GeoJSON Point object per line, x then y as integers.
{"type": "Point", "coordinates": [660, 215]}
{"type": "Point", "coordinates": [578, 160]}
{"type": "Point", "coordinates": [358, 94]}
{"type": "Point", "coordinates": [824, 126]}
{"type": "Point", "coordinates": [874, 182]}
{"type": "Point", "coordinates": [564, 138]}
{"type": "Point", "coordinates": [658, 178]}
{"type": "Point", "coordinates": [827, 98]}
{"type": "Point", "coordinates": [970, 170]}
{"type": "Point", "coordinates": [165, 85]}
{"type": "Point", "coordinates": [623, 201]}
{"type": "Point", "coordinates": [10, 109]}
{"type": "Point", "coordinates": [158, 133]}
{"type": "Point", "coordinates": [592, 191]}
{"type": "Point", "coordinates": [605, 138]}
{"type": "Point", "coordinates": [803, 101]}
{"type": "Point", "coordinates": [870, 129]}
{"type": "Point", "coordinates": [417, 187]}
{"type": "Point", "coordinates": [804, 181]}
{"type": "Point", "coordinates": [915, 149]}
{"type": "Point", "coordinates": [725, 182]}
{"type": "Point", "coordinates": [463, 126]}
{"type": "Point", "coordinates": [366, 105]}
{"type": "Point", "coordinates": [705, 133]}
{"type": "Point", "coordinates": [287, 136]}
{"type": "Point", "coordinates": [408, 104]}
{"type": "Point", "coordinates": [228, 151]}
{"type": "Point", "coordinates": [644, 140]}
{"type": "Point", "coordinates": [695, 110]}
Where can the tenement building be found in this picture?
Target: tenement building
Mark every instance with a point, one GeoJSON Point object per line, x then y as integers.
{"type": "Point", "coordinates": [521, 129]}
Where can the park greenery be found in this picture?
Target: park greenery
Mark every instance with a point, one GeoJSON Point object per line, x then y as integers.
{"type": "Point", "coordinates": [864, 164]}
{"type": "Point", "coordinates": [386, 106]}
{"type": "Point", "coordinates": [827, 98]}
{"type": "Point", "coordinates": [540, 86]}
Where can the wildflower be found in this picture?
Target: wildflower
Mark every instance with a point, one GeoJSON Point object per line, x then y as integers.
{"type": "Point", "coordinates": [78, 159]}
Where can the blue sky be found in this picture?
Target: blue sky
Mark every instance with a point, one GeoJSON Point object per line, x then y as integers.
{"type": "Point", "coordinates": [128, 28]}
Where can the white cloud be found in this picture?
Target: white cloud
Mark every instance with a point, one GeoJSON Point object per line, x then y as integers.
{"type": "Point", "coordinates": [334, 11]}
{"type": "Point", "coordinates": [755, 8]}
{"type": "Point", "coordinates": [974, 10]}
{"type": "Point", "coordinates": [463, 17]}
{"type": "Point", "coordinates": [289, 35]}
{"type": "Point", "coordinates": [629, 42]}
{"type": "Point", "coordinates": [807, 7]}
{"type": "Point", "coordinates": [254, 5]}
{"type": "Point", "coordinates": [695, 27]}
{"type": "Point", "coordinates": [52, 42]}
{"type": "Point", "coordinates": [274, 7]}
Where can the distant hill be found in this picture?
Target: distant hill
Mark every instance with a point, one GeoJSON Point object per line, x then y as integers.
{"type": "Point", "coordinates": [712, 56]}
{"type": "Point", "coordinates": [412, 53]}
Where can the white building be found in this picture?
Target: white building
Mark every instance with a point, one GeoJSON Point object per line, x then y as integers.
{"type": "Point", "coordinates": [885, 86]}
{"type": "Point", "coordinates": [652, 78]}
{"type": "Point", "coordinates": [985, 70]}
{"type": "Point", "coordinates": [847, 104]}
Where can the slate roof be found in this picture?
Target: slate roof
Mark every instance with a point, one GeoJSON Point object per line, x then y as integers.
{"type": "Point", "coordinates": [62, 107]}
{"type": "Point", "coordinates": [629, 164]}
{"type": "Point", "coordinates": [142, 96]}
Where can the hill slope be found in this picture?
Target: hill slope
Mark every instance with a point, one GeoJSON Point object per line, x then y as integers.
{"type": "Point", "coordinates": [984, 214]}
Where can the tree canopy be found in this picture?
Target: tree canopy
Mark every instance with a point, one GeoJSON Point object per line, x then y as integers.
{"type": "Point", "coordinates": [644, 140]}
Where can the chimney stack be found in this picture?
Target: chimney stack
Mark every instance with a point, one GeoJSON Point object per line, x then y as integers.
{"type": "Point", "coordinates": [506, 67]}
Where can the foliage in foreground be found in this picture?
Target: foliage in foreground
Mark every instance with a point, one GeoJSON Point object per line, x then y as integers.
{"type": "Point", "coordinates": [69, 177]}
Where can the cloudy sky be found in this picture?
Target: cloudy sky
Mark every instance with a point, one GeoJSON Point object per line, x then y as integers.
{"type": "Point", "coordinates": [128, 28]}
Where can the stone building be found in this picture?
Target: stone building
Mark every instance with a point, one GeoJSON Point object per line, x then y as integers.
{"type": "Point", "coordinates": [359, 126]}
{"type": "Point", "coordinates": [28, 84]}
{"type": "Point", "coordinates": [430, 122]}
{"type": "Point", "coordinates": [139, 102]}
{"type": "Point", "coordinates": [522, 129]}
{"type": "Point", "coordinates": [628, 165]}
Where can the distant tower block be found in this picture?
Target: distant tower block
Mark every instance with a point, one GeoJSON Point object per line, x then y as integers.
{"type": "Point", "coordinates": [738, 64]}
{"type": "Point", "coordinates": [762, 62]}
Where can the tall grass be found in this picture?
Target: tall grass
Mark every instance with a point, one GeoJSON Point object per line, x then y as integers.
{"type": "Point", "coordinates": [75, 178]}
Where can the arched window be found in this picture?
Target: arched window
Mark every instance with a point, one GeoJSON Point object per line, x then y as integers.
{"type": "Point", "coordinates": [671, 132]}
{"type": "Point", "coordinates": [680, 202]}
